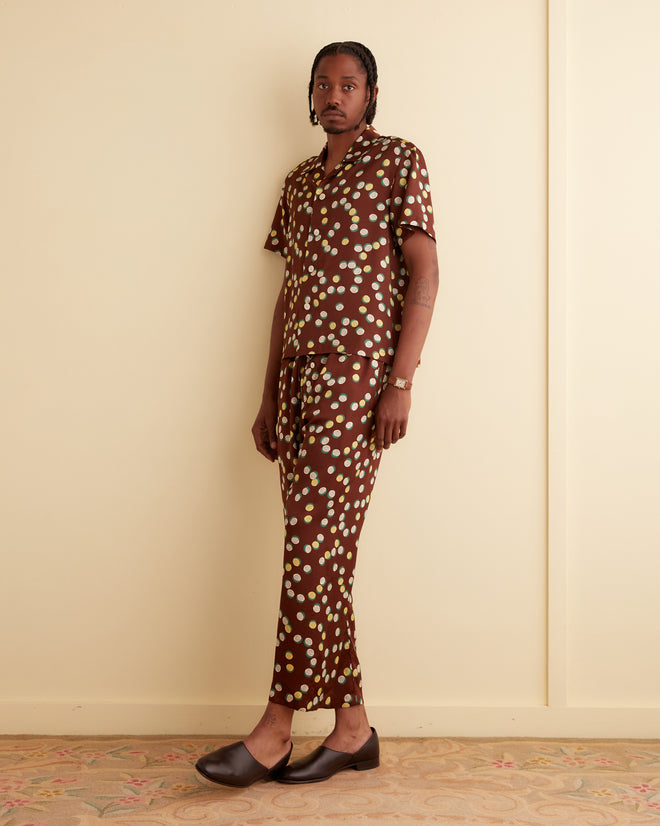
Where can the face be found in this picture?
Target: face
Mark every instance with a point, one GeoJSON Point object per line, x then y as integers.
{"type": "Point", "coordinates": [340, 94]}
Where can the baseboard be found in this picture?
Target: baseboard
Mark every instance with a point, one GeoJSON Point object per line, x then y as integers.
{"type": "Point", "coordinates": [407, 721]}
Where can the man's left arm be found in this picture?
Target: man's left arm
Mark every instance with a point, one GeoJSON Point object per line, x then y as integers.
{"type": "Point", "coordinates": [393, 408]}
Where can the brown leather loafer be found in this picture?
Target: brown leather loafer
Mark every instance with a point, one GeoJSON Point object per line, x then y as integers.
{"type": "Point", "coordinates": [235, 766]}
{"type": "Point", "coordinates": [323, 763]}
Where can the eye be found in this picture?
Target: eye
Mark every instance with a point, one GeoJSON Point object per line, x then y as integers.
{"type": "Point", "coordinates": [349, 87]}
{"type": "Point", "coordinates": [321, 85]}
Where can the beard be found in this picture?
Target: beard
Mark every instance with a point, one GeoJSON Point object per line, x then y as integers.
{"type": "Point", "coordinates": [341, 128]}
{"type": "Point", "coordinates": [338, 129]}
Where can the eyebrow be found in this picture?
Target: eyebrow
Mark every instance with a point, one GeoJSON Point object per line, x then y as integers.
{"type": "Point", "coordinates": [345, 77]}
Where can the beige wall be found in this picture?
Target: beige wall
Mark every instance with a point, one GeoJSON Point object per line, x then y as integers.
{"type": "Point", "coordinates": [143, 148]}
{"type": "Point", "coordinates": [613, 372]}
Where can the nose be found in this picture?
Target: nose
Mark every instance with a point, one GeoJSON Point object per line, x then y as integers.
{"type": "Point", "coordinates": [333, 95]}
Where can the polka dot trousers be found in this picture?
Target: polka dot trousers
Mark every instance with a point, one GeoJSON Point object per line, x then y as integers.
{"type": "Point", "coordinates": [328, 465]}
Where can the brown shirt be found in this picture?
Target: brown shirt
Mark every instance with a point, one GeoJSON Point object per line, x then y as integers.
{"type": "Point", "coordinates": [341, 235]}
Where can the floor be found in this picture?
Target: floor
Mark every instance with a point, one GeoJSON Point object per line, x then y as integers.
{"type": "Point", "coordinates": [75, 781]}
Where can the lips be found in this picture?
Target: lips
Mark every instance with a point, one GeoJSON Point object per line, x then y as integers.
{"type": "Point", "coordinates": [333, 113]}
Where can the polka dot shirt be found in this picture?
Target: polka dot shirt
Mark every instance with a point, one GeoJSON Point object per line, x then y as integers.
{"type": "Point", "coordinates": [340, 234]}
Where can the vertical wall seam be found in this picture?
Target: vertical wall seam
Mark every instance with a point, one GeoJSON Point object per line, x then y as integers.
{"type": "Point", "coordinates": [557, 641]}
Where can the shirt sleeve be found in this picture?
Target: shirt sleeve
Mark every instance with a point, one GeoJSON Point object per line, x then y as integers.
{"type": "Point", "coordinates": [277, 240]}
{"type": "Point", "coordinates": [410, 204]}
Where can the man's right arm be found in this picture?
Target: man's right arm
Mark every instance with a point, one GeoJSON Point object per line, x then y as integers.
{"type": "Point", "coordinates": [263, 429]}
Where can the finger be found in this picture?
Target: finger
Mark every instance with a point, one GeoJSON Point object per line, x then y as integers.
{"type": "Point", "coordinates": [271, 435]}
{"type": "Point", "coordinates": [379, 434]}
{"type": "Point", "coordinates": [269, 441]}
{"type": "Point", "coordinates": [261, 442]}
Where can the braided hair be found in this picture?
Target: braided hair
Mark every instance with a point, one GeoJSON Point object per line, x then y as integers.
{"type": "Point", "coordinates": [359, 52]}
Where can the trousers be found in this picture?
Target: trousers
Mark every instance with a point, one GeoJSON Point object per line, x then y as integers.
{"type": "Point", "coordinates": [328, 464]}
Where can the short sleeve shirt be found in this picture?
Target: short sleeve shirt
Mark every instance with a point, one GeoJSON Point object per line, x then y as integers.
{"type": "Point", "coordinates": [340, 235]}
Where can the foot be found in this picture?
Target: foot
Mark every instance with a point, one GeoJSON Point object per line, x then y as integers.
{"type": "Point", "coordinates": [348, 741]}
{"type": "Point", "coordinates": [270, 740]}
{"type": "Point", "coordinates": [266, 748]}
{"type": "Point", "coordinates": [324, 762]}
{"type": "Point", "coordinates": [351, 731]}
{"type": "Point", "coordinates": [234, 766]}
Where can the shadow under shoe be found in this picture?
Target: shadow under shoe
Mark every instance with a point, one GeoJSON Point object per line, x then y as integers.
{"type": "Point", "coordinates": [323, 763]}
{"type": "Point", "coordinates": [235, 766]}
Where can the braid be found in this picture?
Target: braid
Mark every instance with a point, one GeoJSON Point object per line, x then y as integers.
{"type": "Point", "coordinates": [368, 61]}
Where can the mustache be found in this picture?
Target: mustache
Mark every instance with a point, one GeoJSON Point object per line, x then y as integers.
{"type": "Point", "coordinates": [334, 110]}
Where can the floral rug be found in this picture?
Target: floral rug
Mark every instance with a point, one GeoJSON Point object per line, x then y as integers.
{"type": "Point", "coordinates": [75, 781]}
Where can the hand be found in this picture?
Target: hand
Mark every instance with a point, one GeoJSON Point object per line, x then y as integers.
{"type": "Point", "coordinates": [391, 416]}
{"type": "Point", "coordinates": [264, 429]}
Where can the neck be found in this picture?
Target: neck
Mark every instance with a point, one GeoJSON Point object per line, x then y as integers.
{"type": "Point", "coordinates": [338, 145]}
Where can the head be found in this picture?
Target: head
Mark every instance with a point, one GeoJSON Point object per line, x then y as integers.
{"type": "Point", "coordinates": [343, 87]}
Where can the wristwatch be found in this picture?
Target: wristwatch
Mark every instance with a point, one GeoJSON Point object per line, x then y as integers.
{"type": "Point", "coordinates": [400, 384]}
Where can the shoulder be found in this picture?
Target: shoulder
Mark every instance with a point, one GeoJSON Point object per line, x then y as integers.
{"type": "Point", "coordinates": [299, 171]}
{"type": "Point", "coordinates": [394, 145]}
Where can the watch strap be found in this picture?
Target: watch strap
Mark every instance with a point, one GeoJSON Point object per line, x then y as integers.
{"type": "Point", "coordinates": [400, 384]}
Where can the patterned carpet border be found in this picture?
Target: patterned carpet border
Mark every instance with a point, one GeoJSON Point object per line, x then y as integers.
{"type": "Point", "coordinates": [76, 781]}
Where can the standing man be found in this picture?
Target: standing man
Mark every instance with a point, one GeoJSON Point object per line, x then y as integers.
{"type": "Point", "coordinates": [355, 227]}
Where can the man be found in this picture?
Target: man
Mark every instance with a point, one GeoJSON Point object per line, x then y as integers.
{"type": "Point", "coordinates": [355, 226]}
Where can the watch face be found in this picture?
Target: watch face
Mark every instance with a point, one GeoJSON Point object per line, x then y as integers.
{"type": "Point", "coordinates": [400, 383]}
